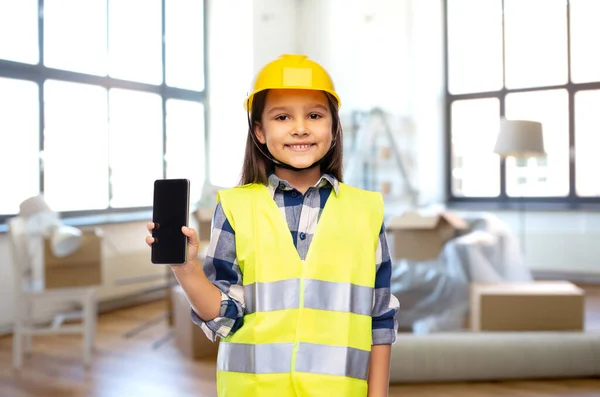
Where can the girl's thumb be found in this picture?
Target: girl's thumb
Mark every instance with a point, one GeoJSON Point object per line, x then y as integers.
{"type": "Point", "coordinates": [190, 233]}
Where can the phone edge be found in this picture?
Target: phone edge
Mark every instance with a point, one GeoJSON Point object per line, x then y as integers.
{"type": "Point", "coordinates": [187, 219]}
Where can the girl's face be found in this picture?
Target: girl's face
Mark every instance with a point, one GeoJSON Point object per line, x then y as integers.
{"type": "Point", "coordinates": [296, 126]}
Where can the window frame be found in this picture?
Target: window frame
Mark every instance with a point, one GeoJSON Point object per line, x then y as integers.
{"type": "Point", "coordinates": [503, 200]}
{"type": "Point", "coordinates": [39, 73]}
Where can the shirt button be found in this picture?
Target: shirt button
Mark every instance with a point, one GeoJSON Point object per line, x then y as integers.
{"type": "Point", "coordinates": [281, 186]}
{"type": "Point", "coordinates": [302, 236]}
{"type": "Point", "coordinates": [294, 194]}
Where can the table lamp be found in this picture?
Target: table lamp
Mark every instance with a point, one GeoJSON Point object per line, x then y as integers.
{"type": "Point", "coordinates": [64, 240]}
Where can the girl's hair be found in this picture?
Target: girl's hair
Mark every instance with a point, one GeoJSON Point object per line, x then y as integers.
{"type": "Point", "coordinates": [257, 168]}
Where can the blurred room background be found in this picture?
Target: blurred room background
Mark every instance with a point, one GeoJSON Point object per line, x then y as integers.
{"type": "Point", "coordinates": [99, 98]}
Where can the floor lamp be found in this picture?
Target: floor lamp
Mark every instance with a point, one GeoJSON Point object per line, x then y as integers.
{"type": "Point", "coordinates": [520, 139]}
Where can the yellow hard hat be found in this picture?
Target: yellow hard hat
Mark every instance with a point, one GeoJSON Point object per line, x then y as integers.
{"type": "Point", "coordinates": [292, 71]}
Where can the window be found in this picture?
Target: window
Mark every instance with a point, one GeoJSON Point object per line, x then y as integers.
{"type": "Point", "coordinates": [18, 20]}
{"type": "Point", "coordinates": [93, 118]}
{"type": "Point", "coordinates": [136, 146]}
{"type": "Point", "coordinates": [84, 52]}
{"type": "Point", "coordinates": [75, 146]}
{"type": "Point", "coordinates": [135, 51]}
{"type": "Point", "coordinates": [527, 60]}
{"type": "Point", "coordinates": [19, 131]}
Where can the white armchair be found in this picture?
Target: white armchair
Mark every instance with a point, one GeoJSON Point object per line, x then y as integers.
{"type": "Point", "coordinates": [28, 291]}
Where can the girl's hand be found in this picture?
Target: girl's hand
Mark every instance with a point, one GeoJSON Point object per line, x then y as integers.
{"type": "Point", "coordinates": [192, 237]}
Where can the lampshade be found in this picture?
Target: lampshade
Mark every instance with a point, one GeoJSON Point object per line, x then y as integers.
{"type": "Point", "coordinates": [520, 138]}
{"type": "Point", "coordinates": [40, 218]}
{"type": "Point", "coordinates": [38, 215]}
{"type": "Point", "coordinates": [65, 240]}
{"type": "Point", "coordinates": [33, 205]}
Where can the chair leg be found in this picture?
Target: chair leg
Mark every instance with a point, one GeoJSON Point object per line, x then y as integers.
{"type": "Point", "coordinates": [17, 349]}
{"type": "Point", "coordinates": [89, 320]}
{"type": "Point", "coordinates": [27, 344]}
{"type": "Point", "coordinates": [17, 338]}
{"type": "Point", "coordinates": [94, 326]}
{"type": "Point", "coordinates": [28, 319]}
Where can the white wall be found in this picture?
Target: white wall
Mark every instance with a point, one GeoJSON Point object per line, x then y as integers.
{"type": "Point", "coordinates": [244, 35]}
{"type": "Point", "coordinates": [275, 25]}
{"type": "Point", "coordinates": [561, 242]}
{"type": "Point", "coordinates": [363, 44]}
{"type": "Point", "coordinates": [230, 60]}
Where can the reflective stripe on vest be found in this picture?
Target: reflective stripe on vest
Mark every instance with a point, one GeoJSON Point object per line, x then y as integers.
{"type": "Point", "coordinates": [322, 295]}
{"type": "Point", "coordinates": [311, 358]}
{"type": "Point", "coordinates": [307, 323]}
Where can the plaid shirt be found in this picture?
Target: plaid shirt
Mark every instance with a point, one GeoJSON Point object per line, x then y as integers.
{"type": "Point", "coordinates": [302, 213]}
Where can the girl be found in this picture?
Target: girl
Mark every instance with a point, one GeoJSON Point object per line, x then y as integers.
{"type": "Point", "coordinates": [296, 281]}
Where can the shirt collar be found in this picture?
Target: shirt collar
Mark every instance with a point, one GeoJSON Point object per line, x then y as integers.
{"type": "Point", "coordinates": [326, 179]}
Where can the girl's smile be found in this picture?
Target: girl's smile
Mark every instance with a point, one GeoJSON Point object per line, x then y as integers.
{"type": "Point", "coordinates": [300, 147]}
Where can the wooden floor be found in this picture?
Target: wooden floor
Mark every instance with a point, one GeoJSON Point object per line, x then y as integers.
{"type": "Point", "coordinates": [131, 367]}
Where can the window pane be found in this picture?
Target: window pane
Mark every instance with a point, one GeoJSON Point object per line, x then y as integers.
{"type": "Point", "coordinates": [136, 147]}
{"type": "Point", "coordinates": [585, 30]}
{"type": "Point", "coordinates": [587, 127]}
{"type": "Point", "coordinates": [536, 42]}
{"type": "Point", "coordinates": [75, 35]}
{"type": "Point", "coordinates": [474, 59]}
{"type": "Point", "coordinates": [75, 146]}
{"type": "Point", "coordinates": [185, 144]}
{"type": "Point", "coordinates": [19, 131]}
{"type": "Point", "coordinates": [135, 41]}
{"type": "Point", "coordinates": [475, 167]}
{"type": "Point", "coordinates": [549, 176]}
{"type": "Point", "coordinates": [184, 43]}
{"type": "Point", "coordinates": [19, 22]}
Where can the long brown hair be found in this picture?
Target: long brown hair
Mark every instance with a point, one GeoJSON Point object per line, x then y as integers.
{"type": "Point", "coordinates": [256, 167]}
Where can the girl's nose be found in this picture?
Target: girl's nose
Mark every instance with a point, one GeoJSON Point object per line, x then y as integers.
{"type": "Point", "coordinates": [300, 127]}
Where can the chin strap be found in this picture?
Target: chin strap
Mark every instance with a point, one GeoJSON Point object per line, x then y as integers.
{"type": "Point", "coordinates": [282, 164]}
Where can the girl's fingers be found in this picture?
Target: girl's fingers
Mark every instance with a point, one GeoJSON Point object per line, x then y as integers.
{"type": "Point", "coordinates": [191, 234]}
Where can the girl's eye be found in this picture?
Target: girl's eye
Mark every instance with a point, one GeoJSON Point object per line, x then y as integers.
{"type": "Point", "coordinates": [282, 117]}
{"type": "Point", "coordinates": [314, 116]}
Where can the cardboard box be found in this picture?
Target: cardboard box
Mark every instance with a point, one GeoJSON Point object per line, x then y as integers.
{"type": "Point", "coordinates": [421, 237]}
{"type": "Point", "coordinates": [189, 338]}
{"type": "Point", "coordinates": [204, 218]}
{"type": "Point", "coordinates": [527, 306]}
{"type": "Point", "coordinates": [79, 269]}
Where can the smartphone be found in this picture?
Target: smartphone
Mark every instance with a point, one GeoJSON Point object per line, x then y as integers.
{"type": "Point", "coordinates": [170, 211]}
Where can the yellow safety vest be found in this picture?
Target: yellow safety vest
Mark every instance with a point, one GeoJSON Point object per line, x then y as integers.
{"type": "Point", "coordinates": [307, 324]}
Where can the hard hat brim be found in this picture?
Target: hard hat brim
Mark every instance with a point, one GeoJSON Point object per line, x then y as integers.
{"type": "Point", "coordinates": [250, 97]}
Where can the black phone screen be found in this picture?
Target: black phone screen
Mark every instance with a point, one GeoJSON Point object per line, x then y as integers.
{"type": "Point", "coordinates": [169, 213]}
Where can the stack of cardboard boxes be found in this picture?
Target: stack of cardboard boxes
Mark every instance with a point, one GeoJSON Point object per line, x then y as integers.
{"type": "Point", "coordinates": [504, 306]}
